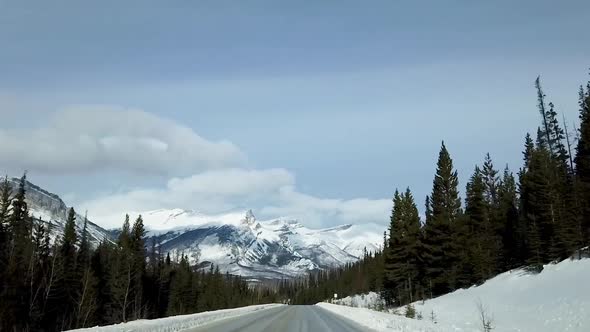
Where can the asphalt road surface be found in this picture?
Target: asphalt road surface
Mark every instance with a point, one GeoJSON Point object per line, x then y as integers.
{"type": "Point", "coordinates": [305, 318]}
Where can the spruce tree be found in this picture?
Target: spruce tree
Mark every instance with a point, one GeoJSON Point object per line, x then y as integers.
{"type": "Point", "coordinates": [479, 230]}
{"type": "Point", "coordinates": [69, 280]}
{"type": "Point", "coordinates": [17, 291]}
{"type": "Point", "coordinates": [496, 221]}
{"type": "Point", "coordinates": [124, 240]}
{"type": "Point", "coordinates": [86, 297]}
{"type": "Point", "coordinates": [402, 258]}
{"type": "Point", "coordinates": [138, 256]}
{"type": "Point", "coordinates": [440, 243]}
{"type": "Point", "coordinates": [5, 239]}
{"type": "Point", "coordinates": [582, 161]}
{"type": "Point", "coordinates": [513, 233]}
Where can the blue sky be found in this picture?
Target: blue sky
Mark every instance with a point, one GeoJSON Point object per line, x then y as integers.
{"type": "Point", "coordinates": [351, 99]}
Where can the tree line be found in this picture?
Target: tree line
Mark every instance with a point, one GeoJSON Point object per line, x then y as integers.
{"type": "Point", "coordinates": [539, 215]}
{"type": "Point", "coordinates": [55, 285]}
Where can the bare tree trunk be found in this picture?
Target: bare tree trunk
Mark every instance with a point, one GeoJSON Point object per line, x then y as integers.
{"type": "Point", "coordinates": [127, 291]}
{"type": "Point", "coordinates": [50, 282]}
{"type": "Point", "coordinates": [410, 282]}
{"type": "Point", "coordinates": [32, 294]}
{"type": "Point", "coordinates": [569, 145]}
{"type": "Point", "coordinates": [83, 296]}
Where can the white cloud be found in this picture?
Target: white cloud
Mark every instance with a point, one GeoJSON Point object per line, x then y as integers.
{"type": "Point", "coordinates": [100, 139]}
{"type": "Point", "coordinates": [82, 139]}
{"type": "Point", "coordinates": [326, 212]}
{"type": "Point", "coordinates": [270, 193]}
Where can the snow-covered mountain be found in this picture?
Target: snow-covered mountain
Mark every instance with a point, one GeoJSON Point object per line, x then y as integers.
{"type": "Point", "coordinates": [51, 209]}
{"type": "Point", "coordinates": [240, 244]}
{"type": "Point", "coordinates": [236, 242]}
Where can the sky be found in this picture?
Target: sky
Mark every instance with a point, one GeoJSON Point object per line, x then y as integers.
{"type": "Point", "coordinates": [307, 109]}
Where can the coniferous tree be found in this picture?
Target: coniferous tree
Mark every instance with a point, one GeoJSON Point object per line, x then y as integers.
{"type": "Point", "coordinates": [121, 283]}
{"type": "Point", "coordinates": [125, 235]}
{"type": "Point", "coordinates": [512, 231]}
{"type": "Point", "coordinates": [582, 161]}
{"type": "Point", "coordinates": [5, 198]}
{"type": "Point", "coordinates": [86, 297]}
{"type": "Point", "coordinates": [17, 292]}
{"type": "Point", "coordinates": [479, 231]}
{"type": "Point", "coordinates": [138, 266]}
{"type": "Point", "coordinates": [495, 220]}
{"type": "Point", "coordinates": [441, 252]}
{"type": "Point", "coordinates": [402, 258]}
{"type": "Point", "coordinates": [69, 279]}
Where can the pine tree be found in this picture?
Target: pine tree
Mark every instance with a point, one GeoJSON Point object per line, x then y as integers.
{"type": "Point", "coordinates": [138, 266]}
{"type": "Point", "coordinates": [402, 258]}
{"type": "Point", "coordinates": [5, 198]}
{"type": "Point", "coordinates": [496, 222]}
{"type": "Point", "coordinates": [543, 135]}
{"type": "Point", "coordinates": [125, 235]}
{"type": "Point", "coordinates": [17, 291]}
{"type": "Point", "coordinates": [582, 161]}
{"type": "Point", "coordinates": [102, 262]}
{"type": "Point", "coordinates": [69, 280]}
{"type": "Point", "coordinates": [441, 252]}
{"type": "Point", "coordinates": [121, 283]}
{"type": "Point", "coordinates": [180, 289]}
{"type": "Point", "coordinates": [479, 228]}
{"type": "Point", "coordinates": [513, 233]}
{"type": "Point", "coordinates": [86, 297]}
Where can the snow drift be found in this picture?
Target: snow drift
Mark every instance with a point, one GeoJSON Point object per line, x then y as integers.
{"type": "Point", "coordinates": [557, 299]}
{"type": "Point", "coordinates": [178, 323]}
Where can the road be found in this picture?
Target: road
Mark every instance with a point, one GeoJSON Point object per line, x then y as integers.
{"type": "Point", "coordinates": [285, 319]}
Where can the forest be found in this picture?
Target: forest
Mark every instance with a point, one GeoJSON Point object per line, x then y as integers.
{"type": "Point", "coordinates": [538, 215]}
{"type": "Point", "coordinates": [64, 284]}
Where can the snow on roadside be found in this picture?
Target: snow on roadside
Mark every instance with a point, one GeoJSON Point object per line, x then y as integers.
{"type": "Point", "coordinates": [557, 299]}
{"type": "Point", "coordinates": [370, 300]}
{"type": "Point", "coordinates": [381, 321]}
{"type": "Point", "coordinates": [178, 323]}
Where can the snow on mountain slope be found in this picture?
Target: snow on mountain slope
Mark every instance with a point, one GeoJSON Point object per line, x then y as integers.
{"type": "Point", "coordinates": [51, 209]}
{"type": "Point", "coordinates": [236, 242]}
{"type": "Point", "coordinates": [240, 244]}
{"type": "Point", "coordinates": [166, 220]}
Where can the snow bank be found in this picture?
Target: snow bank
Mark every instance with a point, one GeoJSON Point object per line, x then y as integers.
{"type": "Point", "coordinates": [381, 321]}
{"type": "Point", "coordinates": [178, 323]}
{"type": "Point", "coordinates": [557, 299]}
{"type": "Point", "coordinates": [370, 300]}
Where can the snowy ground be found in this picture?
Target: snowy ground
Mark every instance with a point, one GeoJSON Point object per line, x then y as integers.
{"type": "Point", "coordinates": [557, 299]}
{"type": "Point", "coordinates": [371, 301]}
{"type": "Point", "coordinates": [381, 321]}
{"type": "Point", "coordinates": [178, 323]}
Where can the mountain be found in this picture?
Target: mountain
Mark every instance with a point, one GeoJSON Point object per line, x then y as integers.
{"type": "Point", "coordinates": [50, 208]}
{"type": "Point", "coordinates": [240, 244]}
{"type": "Point", "coordinates": [236, 242]}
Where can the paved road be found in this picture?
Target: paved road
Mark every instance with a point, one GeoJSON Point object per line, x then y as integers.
{"type": "Point", "coordinates": [285, 319]}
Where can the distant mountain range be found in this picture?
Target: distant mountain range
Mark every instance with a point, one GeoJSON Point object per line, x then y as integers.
{"type": "Point", "coordinates": [236, 242]}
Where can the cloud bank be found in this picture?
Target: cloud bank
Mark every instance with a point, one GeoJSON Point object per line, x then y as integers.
{"type": "Point", "coordinates": [270, 193]}
{"type": "Point", "coordinates": [209, 177]}
{"type": "Point", "coordinates": [86, 139]}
